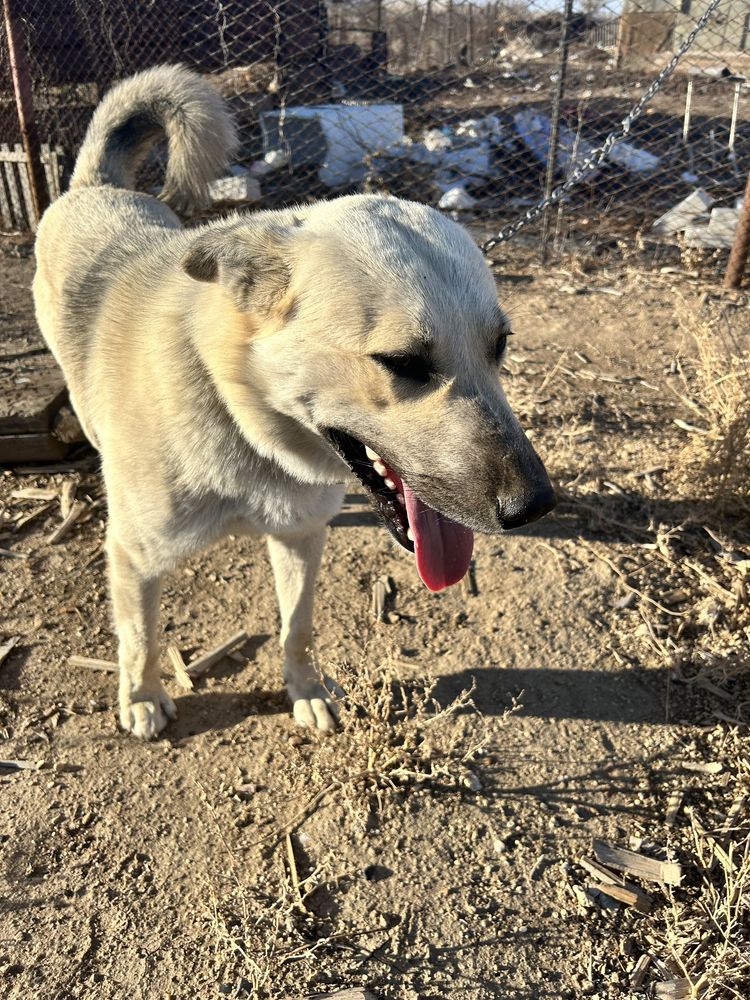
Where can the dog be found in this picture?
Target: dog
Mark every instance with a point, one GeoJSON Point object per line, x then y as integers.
{"type": "Point", "coordinates": [234, 375]}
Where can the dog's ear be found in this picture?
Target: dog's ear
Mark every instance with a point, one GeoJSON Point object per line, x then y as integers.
{"type": "Point", "coordinates": [252, 261]}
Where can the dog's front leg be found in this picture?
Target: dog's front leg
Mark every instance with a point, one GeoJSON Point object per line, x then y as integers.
{"type": "Point", "coordinates": [144, 704]}
{"type": "Point", "coordinates": [295, 562]}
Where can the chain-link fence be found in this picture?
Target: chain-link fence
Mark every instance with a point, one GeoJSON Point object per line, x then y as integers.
{"type": "Point", "coordinates": [460, 104]}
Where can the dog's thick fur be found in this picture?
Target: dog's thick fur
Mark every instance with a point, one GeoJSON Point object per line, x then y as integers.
{"type": "Point", "coordinates": [206, 365]}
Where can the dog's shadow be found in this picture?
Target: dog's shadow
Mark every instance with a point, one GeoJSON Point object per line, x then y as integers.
{"type": "Point", "coordinates": [216, 711]}
{"type": "Point", "coordinates": [202, 710]}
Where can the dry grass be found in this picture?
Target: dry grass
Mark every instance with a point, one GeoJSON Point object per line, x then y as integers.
{"type": "Point", "coordinates": [707, 928]}
{"type": "Point", "coordinates": [394, 737]}
{"type": "Point", "coordinates": [717, 461]}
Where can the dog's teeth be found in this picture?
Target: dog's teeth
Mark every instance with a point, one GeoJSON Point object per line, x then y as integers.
{"type": "Point", "coordinates": [379, 468]}
{"type": "Point", "coordinates": [390, 484]}
{"type": "Point", "coordinates": [410, 535]}
{"type": "Point", "coordinates": [373, 456]}
{"type": "Point", "coordinates": [400, 498]}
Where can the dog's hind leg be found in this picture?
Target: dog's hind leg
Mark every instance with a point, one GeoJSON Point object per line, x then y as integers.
{"type": "Point", "coordinates": [295, 562]}
{"type": "Point", "coordinates": [144, 704]}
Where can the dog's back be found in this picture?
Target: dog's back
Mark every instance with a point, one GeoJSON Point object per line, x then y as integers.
{"type": "Point", "coordinates": [101, 231]}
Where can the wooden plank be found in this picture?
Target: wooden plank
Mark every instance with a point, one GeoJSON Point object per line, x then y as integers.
{"type": "Point", "coordinates": [15, 155]}
{"type": "Point", "coordinates": [14, 195]}
{"type": "Point", "coordinates": [30, 406]}
{"type": "Point", "coordinates": [183, 678]}
{"type": "Point", "coordinates": [51, 163]}
{"type": "Point", "coordinates": [22, 168]}
{"type": "Point", "coordinates": [91, 663]}
{"type": "Point", "coordinates": [638, 974]}
{"type": "Point", "coordinates": [631, 895]}
{"type": "Point", "coordinates": [30, 448]}
{"type": "Point", "coordinates": [47, 163]}
{"type": "Point", "coordinates": [203, 663]}
{"type": "Point", "coordinates": [674, 989]}
{"type": "Point", "coordinates": [6, 215]}
{"type": "Point", "coordinates": [638, 864]}
{"type": "Point", "coordinates": [75, 513]}
{"type": "Point", "coordinates": [54, 160]}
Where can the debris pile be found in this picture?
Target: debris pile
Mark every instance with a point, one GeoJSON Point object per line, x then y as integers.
{"type": "Point", "coordinates": [701, 223]}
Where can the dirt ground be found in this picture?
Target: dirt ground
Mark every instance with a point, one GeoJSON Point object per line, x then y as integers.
{"type": "Point", "coordinates": [163, 870]}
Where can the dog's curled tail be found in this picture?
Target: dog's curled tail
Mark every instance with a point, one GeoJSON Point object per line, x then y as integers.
{"type": "Point", "coordinates": [166, 101]}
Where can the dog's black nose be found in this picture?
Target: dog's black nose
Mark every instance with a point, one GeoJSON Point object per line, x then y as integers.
{"type": "Point", "coordinates": [529, 506]}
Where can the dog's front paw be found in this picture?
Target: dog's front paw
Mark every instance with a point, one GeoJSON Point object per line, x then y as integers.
{"type": "Point", "coordinates": [147, 716]}
{"type": "Point", "coordinates": [313, 706]}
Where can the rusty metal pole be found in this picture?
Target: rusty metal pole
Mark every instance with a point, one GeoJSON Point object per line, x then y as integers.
{"type": "Point", "coordinates": [19, 72]}
{"type": "Point", "coordinates": [741, 245]}
{"type": "Point", "coordinates": [554, 131]}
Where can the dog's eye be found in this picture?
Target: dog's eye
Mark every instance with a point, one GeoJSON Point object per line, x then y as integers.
{"type": "Point", "coordinates": [500, 344]}
{"type": "Point", "coordinates": [411, 366]}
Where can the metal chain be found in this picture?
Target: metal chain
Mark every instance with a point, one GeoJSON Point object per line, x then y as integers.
{"type": "Point", "coordinates": [599, 155]}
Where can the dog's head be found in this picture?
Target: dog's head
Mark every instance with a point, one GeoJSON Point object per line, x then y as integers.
{"type": "Point", "coordinates": [370, 332]}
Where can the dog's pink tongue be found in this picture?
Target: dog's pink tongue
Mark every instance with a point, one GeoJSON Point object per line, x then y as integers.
{"type": "Point", "coordinates": [442, 547]}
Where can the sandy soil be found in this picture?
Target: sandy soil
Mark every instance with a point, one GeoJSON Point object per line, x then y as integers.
{"type": "Point", "coordinates": [162, 870]}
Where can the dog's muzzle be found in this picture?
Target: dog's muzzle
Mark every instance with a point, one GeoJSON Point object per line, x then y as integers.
{"type": "Point", "coordinates": [530, 505]}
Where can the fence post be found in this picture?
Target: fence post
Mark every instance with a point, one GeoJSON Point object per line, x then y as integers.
{"type": "Point", "coordinates": [554, 131]}
{"type": "Point", "coordinates": [448, 51]}
{"type": "Point", "coordinates": [19, 72]}
{"type": "Point", "coordinates": [470, 34]}
{"type": "Point", "coordinates": [741, 245]}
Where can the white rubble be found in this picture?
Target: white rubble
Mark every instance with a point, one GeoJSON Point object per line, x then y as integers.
{"type": "Point", "coordinates": [240, 187]}
{"type": "Point", "coordinates": [351, 131]}
{"type": "Point", "coordinates": [686, 213]}
{"type": "Point", "coordinates": [534, 129]}
{"type": "Point", "coordinates": [456, 199]}
{"type": "Point", "coordinates": [723, 225]}
{"type": "Point", "coordinates": [720, 231]}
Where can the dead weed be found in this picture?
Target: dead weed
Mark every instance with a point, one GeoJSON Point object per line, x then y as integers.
{"type": "Point", "coordinates": [716, 462]}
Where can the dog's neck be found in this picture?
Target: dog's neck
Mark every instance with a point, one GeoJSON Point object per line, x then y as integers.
{"type": "Point", "coordinates": [222, 336]}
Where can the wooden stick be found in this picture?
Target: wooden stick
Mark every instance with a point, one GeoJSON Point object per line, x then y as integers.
{"type": "Point", "coordinates": [203, 663]}
{"type": "Point", "coordinates": [633, 896]}
{"type": "Point", "coordinates": [9, 554]}
{"type": "Point", "coordinates": [639, 972]}
{"type": "Point", "coordinates": [292, 864]}
{"type": "Point", "coordinates": [67, 496]}
{"type": "Point", "coordinates": [20, 765]}
{"type": "Point", "coordinates": [674, 989]}
{"type": "Point", "coordinates": [469, 582]}
{"type": "Point", "coordinates": [729, 824]}
{"type": "Point", "coordinates": [90, 663]}
{"type": "Point", "coordinates": [5, 650]}
{"type": "Point", "coordinates": [34, 493]}
{"type": "Point", "coordinates": [381, 591]}
{"type": "Point", "coordinates": [100, 666]}
{"type": "Point", "coordinates": [31, 516]}
{"type": "Point", "coordinates": [76, 510]}
{"type": "Point", "coordinates": [355, 993]}
{"type": "Point", "coordinates": [177, 664]}
{"type": "Point", "coordinates": [638, 864]}
{"type": "Point", "coordinates": [674, 805]}
{"type": "Point", "coordinates": [600, 872]}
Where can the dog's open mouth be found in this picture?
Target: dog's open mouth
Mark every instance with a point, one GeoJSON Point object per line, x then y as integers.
{"type": "Point", "coordinates": [442, 547]}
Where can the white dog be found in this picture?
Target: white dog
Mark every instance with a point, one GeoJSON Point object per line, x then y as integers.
{"type": "Point", "coordinates": [229, 374]}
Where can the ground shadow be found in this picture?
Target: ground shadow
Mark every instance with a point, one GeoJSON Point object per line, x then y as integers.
{"type": "Point", "coordinates": [631, 695]}
{"type": "Point", "coordinates": [355, 513]}
{"type": "Point", "coordinates": [214, 711]}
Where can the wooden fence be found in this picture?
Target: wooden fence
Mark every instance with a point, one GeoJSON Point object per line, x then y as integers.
{"type": "Point", "coordinates": [16, 204]}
